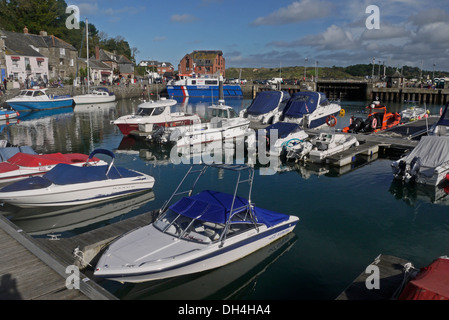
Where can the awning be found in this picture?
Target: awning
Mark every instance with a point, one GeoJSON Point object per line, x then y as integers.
{"type": "Point", "coordinates": [105, 73]}
{"type": "Point", "coordinates": [15, 58]}
{"type": "Point", "coordinates": [40, 59]}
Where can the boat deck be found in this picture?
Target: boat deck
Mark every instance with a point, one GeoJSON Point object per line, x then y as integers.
{"type": "Point", "coordinates": [29, 272]}
{"type": "Point", "coordinates": [391, 277]}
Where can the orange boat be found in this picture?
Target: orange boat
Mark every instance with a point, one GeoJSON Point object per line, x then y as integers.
{"type": "Point", "coordinates": [378, 119]}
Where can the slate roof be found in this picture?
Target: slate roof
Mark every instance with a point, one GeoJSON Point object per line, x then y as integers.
{"type": "Point", "coordinates": [18, 44]}
{"type": "Point", "coordinates": [21, 43]}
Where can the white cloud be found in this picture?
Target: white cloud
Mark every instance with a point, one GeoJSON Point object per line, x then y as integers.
{"type": "Point", "coordinates": [334, 38]}
{"type": "Point", "coordinates": [183, 18]}
{"type": "Point", "coordinates": [298, 11]}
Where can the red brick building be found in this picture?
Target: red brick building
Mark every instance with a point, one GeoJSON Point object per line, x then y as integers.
{"type": "Point", "coordinates": [203, 62]}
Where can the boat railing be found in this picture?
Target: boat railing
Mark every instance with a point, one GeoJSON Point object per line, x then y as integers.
{"type": "Point", "coordinates": [240, 180]}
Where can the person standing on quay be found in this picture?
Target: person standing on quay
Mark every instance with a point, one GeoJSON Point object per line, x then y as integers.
{"type": "Point", "coordinates": [5, 84]}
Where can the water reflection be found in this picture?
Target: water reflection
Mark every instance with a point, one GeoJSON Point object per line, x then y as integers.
{"type": "Point", "coordinates": [412, 194]}
{"type": "Point", "coordinates": [62, 219]}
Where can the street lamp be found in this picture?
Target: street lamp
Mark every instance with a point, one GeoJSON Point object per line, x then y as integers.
{"type": "Point", "coordinates": [316, 71]}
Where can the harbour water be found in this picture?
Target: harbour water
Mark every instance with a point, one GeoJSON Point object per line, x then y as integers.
{"type": "Point", "coordinates": [347, 216]}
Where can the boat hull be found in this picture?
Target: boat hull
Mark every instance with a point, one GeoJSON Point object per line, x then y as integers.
{"type": "Point", "coordinates": [201, 136]}
{"type": "Point", "coordinates": [214, 256]}
{"type": "Point", "coordinates": [93, 99]}
{"type": "Point", "coordinates": [40, 105]}
{"type": "Point", "coordinates": [203, 91]}
{"type": "Point", "coordinates": [76, 194]}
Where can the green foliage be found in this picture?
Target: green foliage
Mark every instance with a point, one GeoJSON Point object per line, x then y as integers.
{"type": "Point", "coordinates": [51, 16]}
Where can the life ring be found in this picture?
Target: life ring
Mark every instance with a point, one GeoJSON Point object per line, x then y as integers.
{"type": "Point", "coordinates": [331, 121]}
{"type": "Point", "coordinates": [374, 123]}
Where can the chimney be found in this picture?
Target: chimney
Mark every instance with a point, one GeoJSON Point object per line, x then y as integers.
{"type": "Point", "coordinates": [97, 53]}
{"type": "Point", "coordinates": [43, 33]}
{"type": "Point", "coordinates": [25, 30]}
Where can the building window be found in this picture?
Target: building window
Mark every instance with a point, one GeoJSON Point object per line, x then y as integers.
{"type": "Point", "coordinates": [62, 51]}
{"type": "Point", "coordinates": [72, 63]}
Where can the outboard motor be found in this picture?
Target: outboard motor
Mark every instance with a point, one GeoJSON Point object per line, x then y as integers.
{"type": "Point", "coordinates": [356, 125]}
{"type": "Point", "coordinates": [157, 133]}
{"type": "Point", "coordinates": [399, 169]}
{"type": "Point", "coordinates": [415, 165]}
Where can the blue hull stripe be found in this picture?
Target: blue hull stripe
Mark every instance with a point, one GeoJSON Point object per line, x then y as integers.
{"type": "Point", "coordinates": [204, 91]}
{"type": "Point", "coordinates": [40, 105]}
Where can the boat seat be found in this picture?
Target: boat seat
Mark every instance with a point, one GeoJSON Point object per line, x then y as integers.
{"type": "Point", "coordinates": [211, 234]}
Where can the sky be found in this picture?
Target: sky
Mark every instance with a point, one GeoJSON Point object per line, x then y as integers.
{"type": "Point", "coordinates": [277, 33]}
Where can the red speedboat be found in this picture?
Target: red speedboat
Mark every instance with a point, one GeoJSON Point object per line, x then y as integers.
{"type": "Point", "coordinates": [24, 165]}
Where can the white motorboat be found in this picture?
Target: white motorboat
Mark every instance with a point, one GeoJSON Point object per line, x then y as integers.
{"type": "Point", "coordinates": [309, 110]}
{"type": "Point", "coordinates": [67, 185]}
{"type": "Point", "coordinates": [265, 106]}
{"type": "Point", "coordinates": [97, 96]}
{"type": "Point", "coordinates": [441, 127]}
{"type": "Point", "coordinates": [413, 113]}
{"type": "Point", "coordinates": [154, 114]}
{"type": "Point", "coordinates": [25, 162]}
{"type": "Point", "coordinates": [285, 134]}
{"type": "Point", "coordinates": [427, 163]}
{"type": "Point", "coordinates": [197, 233]}
{"type": "Point", "coordinates": [224, 125]}
{"type": "Point", "coordinates": [328, 144]}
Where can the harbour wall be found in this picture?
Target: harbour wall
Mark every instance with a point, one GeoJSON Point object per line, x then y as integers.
{"type": "Point", "coordinates": [334, 89]}
{"type": "Point", "coordinates": [121, 92]}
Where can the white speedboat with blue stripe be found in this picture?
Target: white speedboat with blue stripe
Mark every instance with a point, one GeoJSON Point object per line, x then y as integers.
{"type": "Point", "coordinates": [309, 110]}
{"type": "Point", "coordinates": [199, 232]}
{"type": "Point", "coordinates": [66, 185]}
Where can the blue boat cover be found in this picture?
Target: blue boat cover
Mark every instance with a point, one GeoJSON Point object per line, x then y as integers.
{"type": "Point", "coordinates": [302, 103]}
{"type": "Point", "coordinates": [264, 102]}
{"type": "Point", "coordinates": [283, 128]}
{"type": "Point", "coordinates": [64, 174]}
{"type": "Point", "coordinates": [215, 207]}
{"type": "Point", "coordinates": [444, 119]}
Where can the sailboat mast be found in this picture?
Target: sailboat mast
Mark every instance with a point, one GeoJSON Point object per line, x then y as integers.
{"type": "Point", "coordinates": [87, 54]}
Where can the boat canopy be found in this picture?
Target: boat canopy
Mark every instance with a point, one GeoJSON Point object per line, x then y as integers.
{"type": "Point", "coordinates": [283, 128]}
{"type": "Point", "coordinates": [215, 207]}
{"type": "Point", "coordinates": [8, 152]}
{"type": "Point", "coordinates": [65, 174]}
{"type": "Point", "coordinates": [302, 103]}
{"type": "Point", "coordinates": [431, 283]}
{"type": "Point", "coordinates": [433, 151]}
{"type": "Point", "coordinates": [265, 102]}
{"type": "Point", "coordinates": [37, 160]}
{"type": "Point", "coordinates": [444, 119]}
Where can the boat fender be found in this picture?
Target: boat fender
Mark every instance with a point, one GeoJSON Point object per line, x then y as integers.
{"type": "Point", "coordinates": [374, 123]}
{"type": "Point", "coordinates": [331, 121]}
{"type": "Point", "coordinates": [351, 120]}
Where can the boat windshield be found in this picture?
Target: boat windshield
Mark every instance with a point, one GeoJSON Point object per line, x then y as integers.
{"type": "Point", "coordinates": [146, 112]}
{"type": "Point", "coordinates": [187, 228]}
{"type": "Point", "coordinates": [196, 230]}
{"type": "Point", "coordinates": [223, 113]}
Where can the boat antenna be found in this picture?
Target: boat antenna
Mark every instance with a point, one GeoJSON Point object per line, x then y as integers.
{"type": "Point", "coordinates": [87, 54]}
{"type": "Point", "coordinates": [220, 91]}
